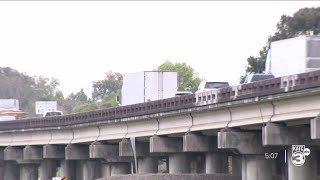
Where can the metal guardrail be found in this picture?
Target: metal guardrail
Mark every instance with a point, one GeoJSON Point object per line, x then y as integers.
{"type": "Point", "coordinates": [226, 94]}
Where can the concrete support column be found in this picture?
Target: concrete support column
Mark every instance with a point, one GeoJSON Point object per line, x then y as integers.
{"type": "Point", "coordinates": [11, 171]}
{"type": "Point", "coordinates": [68, 169]}
{"type": "Point", "coordinates": [105, 170]}
{"type": "Point", "coordinates": [256, 167]}
{"type": "Point", "coordinates": [216, 163]}
{"type": "Point", "coordinates": [2, 168]}
{"type": "Point", "coordinates": [307, 171]}
{"type": "Point", "coordinates": [48, 169]}
{"type": "Point", "coordinates": [91, 170]}
{"type": "Point", "coordinates": [28, 172]}
{"type": "Point", "coordinates": [147, 165]}
{"type": "Point", "coordinates": [179, 163]}
{"type": "Point", "coordinates": [236, 165]}
{"type": "Point", "coordinates": [120, 168]}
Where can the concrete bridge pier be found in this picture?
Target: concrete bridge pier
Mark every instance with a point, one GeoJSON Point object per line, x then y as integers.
{"type": "Point", "coordinates": [249, 144]}
{"type": "Point", "coordinates": [173, 146]}
{"type": "Point", "coordinates": [236, 165]}
{"type": "Point", "coordinates": [120, 168]}
{"type": "Point", "coordinates": [147, 165]}
{"type": "Point", "coordinates": [29, 171]}
{"type": "Point", "coordinates": [280, 135]}
{"type": "Point", "coordinates": [179, 163]}
{"type": "Point", "coordinates": [48, 169]}
{"type": "Point", "coordinates": [215, 162]}
{"type": "Point", "coordinates": [68, 169]}
{"type": "Point", "coordinates": [105, 169]}
{"type": "Point", "coordinates": [256, 167]}
{"type": "Point", "coordinates": [90, 169]}
{"type": "Point", "coordinates": [11, 171]}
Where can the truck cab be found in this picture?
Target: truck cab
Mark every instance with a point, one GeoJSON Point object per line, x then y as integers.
{"type": "Point", "coordinates": [210, 85]}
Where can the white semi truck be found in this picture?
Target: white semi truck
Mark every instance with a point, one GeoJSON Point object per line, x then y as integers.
{"type": "Point", "coordinates": [292, 56]}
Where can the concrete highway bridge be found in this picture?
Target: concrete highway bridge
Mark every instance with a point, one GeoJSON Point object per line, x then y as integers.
{"type": "Point", "coordinates": [244, 132]}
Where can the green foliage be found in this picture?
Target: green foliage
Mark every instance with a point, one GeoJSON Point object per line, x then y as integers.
{"type": "Point", "coordinates": [88, 106]}
{"type": "Point", "coordinates": [27, 89]}
{"type": "Point", "coordinates": [188, 79]}
{"type": "Point", "coordinates": [102, 88]}
{"type": "Point", "coordinates": [301, 23]}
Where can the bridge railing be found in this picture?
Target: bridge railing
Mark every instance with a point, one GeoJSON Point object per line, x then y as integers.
{"type": "Point", "coordinates": [112, 115]}
{"type": "Point", "coordinates": [260, 88]}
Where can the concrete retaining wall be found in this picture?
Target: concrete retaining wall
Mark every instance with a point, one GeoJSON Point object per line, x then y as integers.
{"type": "Point", "coordinates": [174, 177]}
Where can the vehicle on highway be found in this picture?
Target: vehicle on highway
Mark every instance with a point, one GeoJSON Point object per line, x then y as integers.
{"type": "Point", "coordinates": [257, 77]}
{"type": "Point", "coordinates": [52, 113]}
{"type": "Point", "coordinates": [182, 93]}
{"type": "Point", "coordinates": [210, 85]}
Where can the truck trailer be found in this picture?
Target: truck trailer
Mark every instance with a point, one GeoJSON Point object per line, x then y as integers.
{"type": "Point", "coordinates": [147, 86]}
{"type": "Point", "coordinates": [293, 56]}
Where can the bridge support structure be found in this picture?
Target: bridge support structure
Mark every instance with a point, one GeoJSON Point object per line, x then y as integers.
{"type": "Point", "coordinates": [280, 135]}
{"type": "Point", "coordinates": [249, 144]}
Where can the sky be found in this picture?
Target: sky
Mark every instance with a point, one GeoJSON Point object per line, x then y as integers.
{"type": "Point", "coordinates": [78, 42]}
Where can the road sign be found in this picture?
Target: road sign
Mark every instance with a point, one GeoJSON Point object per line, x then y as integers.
{"type": "Point", "coordinates": [43, 106]}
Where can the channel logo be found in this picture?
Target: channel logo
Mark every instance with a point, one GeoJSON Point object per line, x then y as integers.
{"type": "Point", "coordinates": [299, 153]}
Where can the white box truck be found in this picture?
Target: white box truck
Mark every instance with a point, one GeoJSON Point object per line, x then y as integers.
{"type": "Point", "coordinates": [293, 56]}
{"type": "Point", "coordinates": [147, 86]}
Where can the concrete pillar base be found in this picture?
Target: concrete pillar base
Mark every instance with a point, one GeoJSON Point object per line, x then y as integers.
{"type": "Point", "coordinates": [28, 172]}
{"type": "Point", "coordinates": [10, 171]}
{"type": "Point", "coordinates": [179, 163]}
{"type": "Point", "coordinates": [68, 169]}
{"type": "Point", "coordinates": [120, 168]}
{"type": "Point", "coordinates": [48, 169]}
{"type": "Point", "coordinates": [216, 163]}
{"type": "Point", "coordinates": [147, 165]}
{"type": "Point", "coordinates": [256, 167]}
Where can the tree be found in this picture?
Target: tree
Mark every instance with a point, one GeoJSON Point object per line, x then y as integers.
{"type": "Point", "coordinates": [27, 89]}
{"type": "Point", "coordinates": [302, 22]}
{"type": "Point", "coordinates": [188, 79]}
{"type": "Point", "coordinates": [102, 88]}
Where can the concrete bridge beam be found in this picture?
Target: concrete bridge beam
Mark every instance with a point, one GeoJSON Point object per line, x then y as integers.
{"type": "Point", "coordinates": [107, 152]}
{"type": "Point", "coordinates": [125, 148]}
{"type": "Point", "coordinates": [68, 169]}
{"type": "Point", "coordinates": [29, 171]}
{"type": "Point", "coordinates": [33, 153]}
{"type": "Point", "coordinates": [53, 151]}
{"type": "Point", "coordinates": [48, 169]}
{"type": "Point", "coordinates": [13, 153]}
{"type": "Point", "coordinates": [76, 152]}
{"type": "Point", "coordinates": [195, 142]}
{"type": "Point", "coordinates": [215, 162]}
{"type": "Point", "coordinates": [279, 135]}
{"type": "Point", "coordinates": [249, 144]}
{"type": "Point", "coordinates": [162, 144]}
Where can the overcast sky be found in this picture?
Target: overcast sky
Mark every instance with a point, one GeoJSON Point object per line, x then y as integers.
{"type": "Point", "coordinates": [78, 42]}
